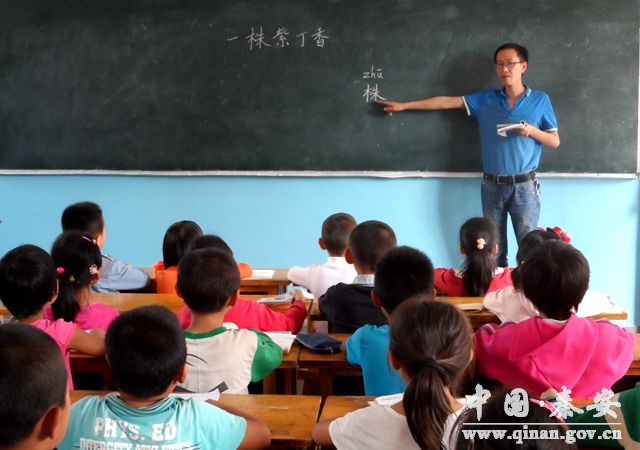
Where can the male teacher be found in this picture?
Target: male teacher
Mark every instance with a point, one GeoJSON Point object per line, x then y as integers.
{"type": "Point", "coordinates": [515, 122]}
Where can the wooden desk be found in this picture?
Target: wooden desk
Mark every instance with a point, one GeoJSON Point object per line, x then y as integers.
{"type": "Point", "coordinates": [339, 405]}
{"type": "Point", "coordinates": [328, 365]}
{"type": "Point", "coordinates": [477, 318]}
{"type": "Point", "coordinates": [266, 286]}
{"type": "Point", "coordinates": [289, 417]}
{"type": "Point", "coordinates": [283, 379]}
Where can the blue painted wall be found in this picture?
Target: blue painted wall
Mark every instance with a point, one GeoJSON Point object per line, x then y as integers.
{"type": "Point", "coordinates": [275, 221]}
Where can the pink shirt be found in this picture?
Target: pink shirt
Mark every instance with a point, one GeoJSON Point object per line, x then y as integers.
{"type": "Point", "coordinates": [582, 354]}
{"type": "Point", "coordinates": [449, 281]}
{"type": "Point", "coordinates": [94, 315]}
{"type": "Point", "coordinates": [61, 332]}
{"type": "Point", "coordinates": [251, 314]}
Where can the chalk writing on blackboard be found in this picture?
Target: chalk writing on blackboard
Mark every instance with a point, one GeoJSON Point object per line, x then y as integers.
{"type": "Point", "coordinates": [257, 39]}
{"type": "Point", "coordinates": [372, 91]}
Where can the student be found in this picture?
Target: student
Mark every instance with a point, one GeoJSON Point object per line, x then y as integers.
{"type": "Point", "coordinates": [249, 313]}
{"type": "Point", "coordinates": [116, 275]}
{"type": "Point", "coordinates": [480, 274]}
{"type": "Point", "coordinates": [336, 230]}
{"type": "Point", "coordinates": [78, 261]}
{"type": "Point", "coordinates": [208, 282]}
{"type": "Point", "coordinates": [535, 353]}
{"type": "Point", "coordinates": [34, 399]}
{"type": "Point", "coordinates": [430, 344]}
{"type": "Point", "coordinates": [509, 185]}
{"type": "Point", "coordinates": [213, 241]}
{"type": "Point", "coordinates": [147, 353]}
{"type": "Point", "coordinates": [538, 421]}
{"type": "Point", "coordinates": [178, 240]}
{"type": "Point", "coordinates": [626, 421]}
{"type": "Point", "coordinates": [402, 273]}
{"type": "Point", "coordinates": [347, 307]}
{"type": "Point", "coordinates": [510, 304]}
{"type": "Point", "coordinates": [28, 283]}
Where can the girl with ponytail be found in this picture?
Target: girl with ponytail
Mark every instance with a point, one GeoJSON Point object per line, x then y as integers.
{"type": "Point", "coordinates": [480, 274]}
{"type": "Point", "coordinates": [430, 344]}
{"type": "Point", "coordinates": [78, 261]}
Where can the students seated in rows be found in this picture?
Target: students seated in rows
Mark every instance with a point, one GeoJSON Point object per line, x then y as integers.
{"type": "Point", "coordinates": [28, 283]}
{"type": "Point", "coordinates": [146, 352]}
{"type": "Point", "coordinates": [336, 230]}
{"type": "Point", "coordinates": [177, 242]}
{"type": "Point", "coordinates": [510, 303]}
{"type": "Point", "coordinates": [402, 273]}
{"type": "Point", "coordinates": [480, 274]}
{"type": "Point", "coordinates": [347, 307]}
{"type": "Point", "coordinates": [208, 282]}
{"type": "Point", "coordinates": [246, 313]}
{"type": "Point", "coordinates": [534, 418]}
{"type": "Point", "coordinates": [78, 261]}
{"type": "Point", "coordinates": [116, 275]}
{"type": "Point", "coordinates": [536, 353]}
{"type": "Point", "coordinates": [34, 399]}
{"type": "Point", "coordinates": [430, 344]}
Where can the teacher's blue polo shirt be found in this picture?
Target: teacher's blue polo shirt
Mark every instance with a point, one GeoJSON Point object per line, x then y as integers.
{"type": "Point", "coordinates": [512, 154]}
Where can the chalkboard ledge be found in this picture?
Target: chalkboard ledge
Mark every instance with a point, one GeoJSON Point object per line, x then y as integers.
{"type": "Point", "coordinates": [305, 174]}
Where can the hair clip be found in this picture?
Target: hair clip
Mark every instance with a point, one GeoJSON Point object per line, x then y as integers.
{"type": "Point", "coordinates": [72, 279]}
{"type": "Point", "coordinates": [86, 238]}
{"type": "Point", "coordinates": [60, 270]}
{"type": "Point", "coordinates": [93, 269]}
{"type": "Point", "coordinates": [480, 243]}
{"type": "Point", "coordinates": [563, 234]}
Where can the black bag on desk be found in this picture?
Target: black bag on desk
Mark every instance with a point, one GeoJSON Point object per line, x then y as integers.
{"type": "Point", "coordinates": [319, 342]}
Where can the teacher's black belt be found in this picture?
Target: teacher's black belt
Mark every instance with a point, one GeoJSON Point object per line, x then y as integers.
{"type": "Point", "coordinates": [510, 179]}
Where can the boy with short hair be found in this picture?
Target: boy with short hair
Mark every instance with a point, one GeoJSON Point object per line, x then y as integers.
{"type": "Point", "coordinates": [115, 275]}
{"type": "Point", "coordinates": [34, 399]}
{"type": "Point", "coordinates": [336, 230]}
{"type": "Point", "coordinates": [147, 353]}
{"type": "Point", "coordinates": [209, 283]}
{"type": "Point", "coordinates": [347, 307]}
{"type": "Point", "coordinates": [402, 273]}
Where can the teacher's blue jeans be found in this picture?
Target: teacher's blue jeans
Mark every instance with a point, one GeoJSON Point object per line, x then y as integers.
{"type": "Point", "coordinates": [520, 200]}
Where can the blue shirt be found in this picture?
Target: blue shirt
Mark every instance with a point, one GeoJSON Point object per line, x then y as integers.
{"type": "Point", "coordinates": [117, 276]}
{"type": "Point", "coordinates": [368, 348]}
{"type": "Point", "coordinates": [108, 422]}
{"type": "Point", "coordinates": [512, 154]}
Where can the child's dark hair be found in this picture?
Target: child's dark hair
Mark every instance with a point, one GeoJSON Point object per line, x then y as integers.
{"type": "Point", "coordinates": [431, 341]}
{"type": "Point", "coordinates": [78, 260]}
{"type": "Point", "coordinates": [369, 241]}
{"type": "Point", "coordinates": [494, 417]}
{"type": "Point", "coordinates": [83, 216]}
{"type": "Point", "coordinates": [530, 241]}
{"type": "Point", "coordinates": [33, 379]}
{"type": "Point", "coordinates": [146, 350]}
{"type": "Point", "coordinates": [207, 278]}
{"type": "Point", "coordinates": [27, 280]}
{"type": "Point", "coordinates": [555, 277]}
{"type": "Point", "coordinates": [336, 230]}
{"type": "Point", "coordinates": [403, 272]}
{"type": "Point", "coordinates": [522, 52]}
{"type": "Point", "coordinates": [478, 238]}
{"type": "Point", "coordinates": [178, 241]}
{"type": "Point", "coordinates": [211, 241]}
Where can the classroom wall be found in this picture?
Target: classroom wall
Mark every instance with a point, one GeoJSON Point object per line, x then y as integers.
{"type": "Point", "coordinates": [275, 221]}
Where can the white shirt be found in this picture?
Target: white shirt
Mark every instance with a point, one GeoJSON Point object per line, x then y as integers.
{"type": "Point", "coordinates": [380, 427]}
{"type": "Point", "coordinates": [320, 277]}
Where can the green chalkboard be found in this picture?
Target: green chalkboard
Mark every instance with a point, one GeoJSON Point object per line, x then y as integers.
{"type": "Point", "coordinates": [287, 85]}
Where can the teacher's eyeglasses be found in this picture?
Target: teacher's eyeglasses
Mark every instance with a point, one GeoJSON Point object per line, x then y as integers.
{"type": "Point", "coordinates": [507, 64]}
